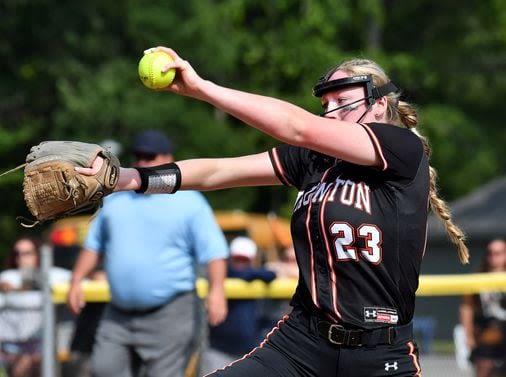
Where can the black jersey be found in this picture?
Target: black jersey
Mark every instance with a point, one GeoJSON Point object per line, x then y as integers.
{"type": "Point", "coordinates": [359, 232]}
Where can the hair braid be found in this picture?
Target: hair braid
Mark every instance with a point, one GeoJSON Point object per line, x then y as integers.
{"type": "Point", "coordinates": [440, 208]}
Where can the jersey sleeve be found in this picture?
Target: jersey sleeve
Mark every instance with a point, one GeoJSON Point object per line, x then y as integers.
{"type": "Point", "coordinates": [289, 164]}
{"type": "Point", "coordinates": [400, 149]}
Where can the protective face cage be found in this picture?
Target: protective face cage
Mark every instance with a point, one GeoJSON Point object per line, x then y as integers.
{"type": "Point", "coordinates": [372, 93]}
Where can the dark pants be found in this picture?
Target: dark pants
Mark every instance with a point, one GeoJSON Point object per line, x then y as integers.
{"type": "Point", "coordinates": [296, 348]}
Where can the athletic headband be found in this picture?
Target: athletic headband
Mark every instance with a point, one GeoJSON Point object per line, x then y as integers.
{"type": "Point", "coordinates": [373, 93]}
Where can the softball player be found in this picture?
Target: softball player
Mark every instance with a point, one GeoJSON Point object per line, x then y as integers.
{"type": "Point", "coordinates": [359, 221]}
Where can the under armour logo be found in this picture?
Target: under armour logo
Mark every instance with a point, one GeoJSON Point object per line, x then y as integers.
{"type": "Point", "coordinates": [393, 366]}
{"type": "Point", "coordinates": [370, 313]}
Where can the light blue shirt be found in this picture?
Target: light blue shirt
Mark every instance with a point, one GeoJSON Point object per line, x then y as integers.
{"type": "Point", "coordinates": [152, 245]}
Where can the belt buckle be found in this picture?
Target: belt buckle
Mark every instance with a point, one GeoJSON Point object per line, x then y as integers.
{"type": "Point", "coordinates": [341, 341]}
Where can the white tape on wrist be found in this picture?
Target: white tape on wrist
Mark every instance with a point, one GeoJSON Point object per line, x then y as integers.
{"type": "Point", "coordinates": [161, 184]}
{"type": "Point", "coordinates": [163, 179]}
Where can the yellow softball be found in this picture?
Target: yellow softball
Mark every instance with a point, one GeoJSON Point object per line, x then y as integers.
{"type": "Point", "coordinates": [150, 70]}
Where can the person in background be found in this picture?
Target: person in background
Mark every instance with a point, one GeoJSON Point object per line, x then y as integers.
{"type": "Point", "coordinates": [286, 267]}
{"type": "Point", "coordinates": [483, 317]}
{"type": "Point", "coordinates": [244, 326]}
{"type": "Point", "coordinates": [21, 314]}
{"type": "Point", "coordinates": [83, 337]}
{"type": "Point", "coordinates": [151, 246]}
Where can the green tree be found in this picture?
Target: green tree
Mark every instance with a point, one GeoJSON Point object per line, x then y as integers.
{"type": "Point", "coordinates": [69, 71]}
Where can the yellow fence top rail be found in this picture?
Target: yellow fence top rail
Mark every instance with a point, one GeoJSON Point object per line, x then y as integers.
{"type": "Point", "coordinates": [430, 285]}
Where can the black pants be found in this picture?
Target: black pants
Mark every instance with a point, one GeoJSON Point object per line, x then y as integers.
{"type": "Point", "coordinates": [296, 348]}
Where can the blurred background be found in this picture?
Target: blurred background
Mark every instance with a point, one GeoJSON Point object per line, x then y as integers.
{"type": "Point", "coordinates": [69, 72]}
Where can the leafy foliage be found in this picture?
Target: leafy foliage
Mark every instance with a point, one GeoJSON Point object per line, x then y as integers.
{"type": "Point", "coordinates": [70, 72]}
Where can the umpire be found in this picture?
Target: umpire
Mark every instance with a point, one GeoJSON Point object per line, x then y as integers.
{"type": "Point", "coordinates": [151, 245]}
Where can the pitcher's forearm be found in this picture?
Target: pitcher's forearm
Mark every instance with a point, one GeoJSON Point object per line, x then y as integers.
{"type": "Point", "coordinates": [129, 179]}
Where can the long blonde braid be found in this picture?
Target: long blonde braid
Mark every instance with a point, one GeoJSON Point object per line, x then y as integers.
{"type": "Point", "coordinates": [401, 113]}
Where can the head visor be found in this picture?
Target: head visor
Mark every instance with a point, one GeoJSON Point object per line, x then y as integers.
{"type": "Point", "coordinates": [372, 93]}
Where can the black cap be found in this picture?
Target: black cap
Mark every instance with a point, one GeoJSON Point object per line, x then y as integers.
{"type": "Point", "coordinates": [152, 142]}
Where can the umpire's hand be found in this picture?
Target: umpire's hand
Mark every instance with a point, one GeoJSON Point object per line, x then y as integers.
{"type": "Point", "coordinates": [75, 298]}
{"type": "Point", "coordinates": [216, 305]}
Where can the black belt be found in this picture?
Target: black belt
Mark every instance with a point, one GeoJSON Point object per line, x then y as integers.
{"type": "Point", "coordinates": [142, 311]}
{"type": "Point", "coordinates": [138, 311]}
{"type": "Point", "coordinates": [338, 335]}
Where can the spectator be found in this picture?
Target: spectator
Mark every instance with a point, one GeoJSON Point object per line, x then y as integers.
{"type": "Point", "coordinates": [483, 318]}
{"type": "Point", "coordinates": [21, 314]}
{"type": "Point", "coordinates": [286, 267]}
{"type": "Point", "coordinates": [83, 337]}
{"type": "Point", "coordinates": [150, 246]}
{"type": "Point", "coordinates": [244, 326]}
